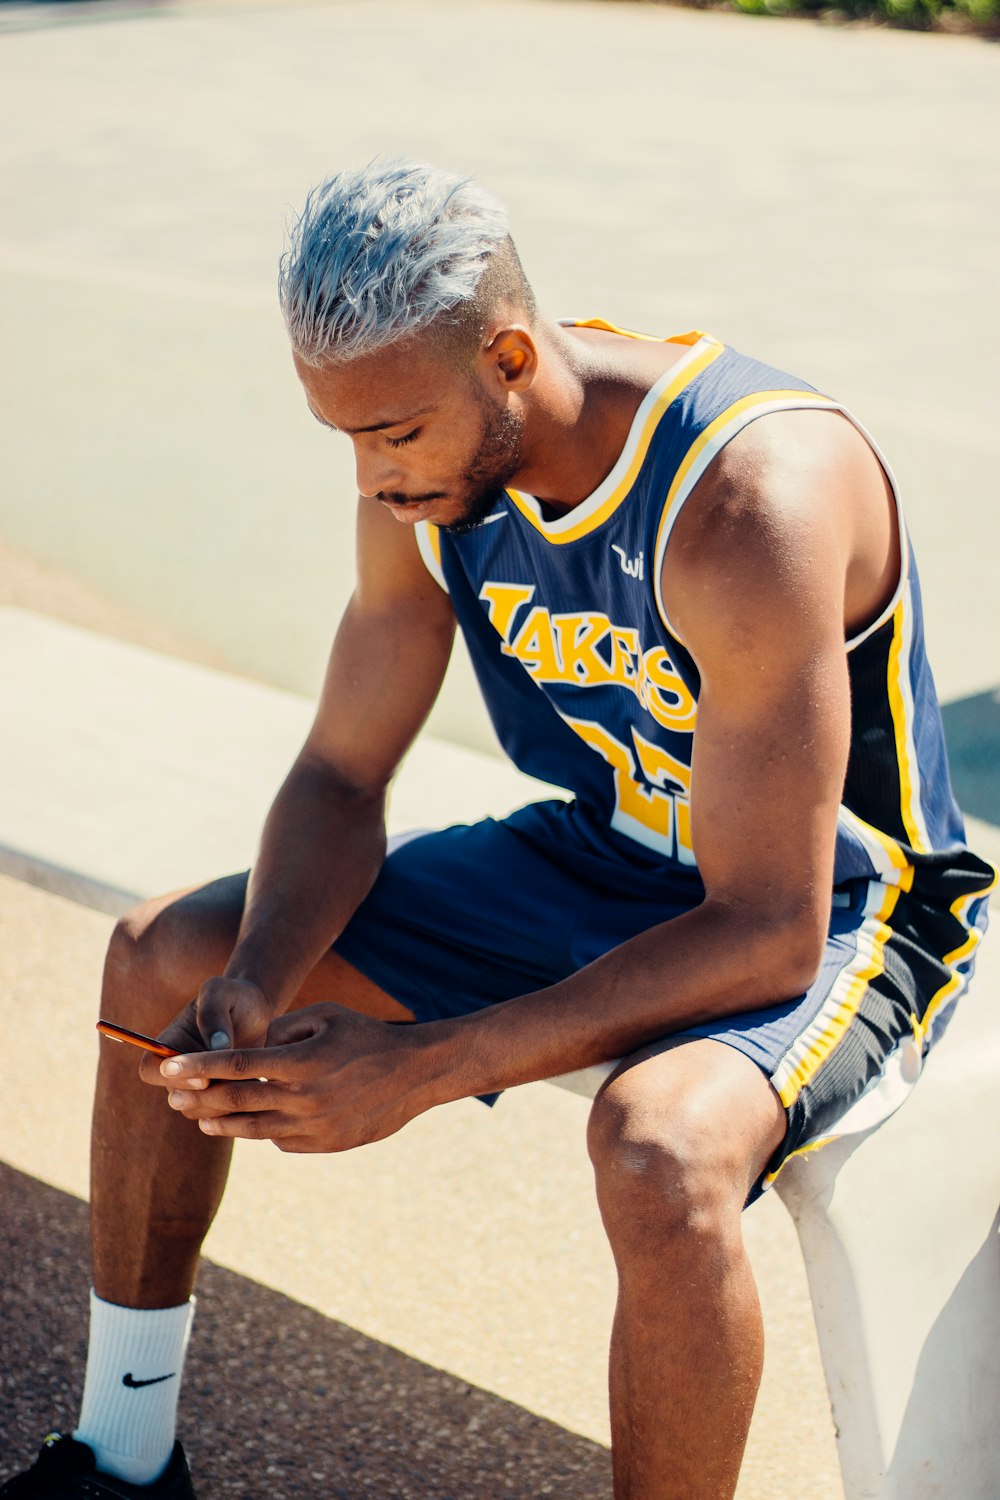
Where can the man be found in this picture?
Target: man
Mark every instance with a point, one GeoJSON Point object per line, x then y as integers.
{"type": "Point", "coordinates": [687, 591]}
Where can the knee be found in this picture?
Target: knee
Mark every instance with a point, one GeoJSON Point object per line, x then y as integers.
{"type": "Point", "coordinates": [162, 951]}
{"type": "Point", "coordinates": [664, 1171]}
{"type": "Point", "coordinates": [141, 970]}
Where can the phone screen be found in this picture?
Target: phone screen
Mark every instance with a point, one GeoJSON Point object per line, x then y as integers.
{"type": "Point", "coordinates": [136, 1039]}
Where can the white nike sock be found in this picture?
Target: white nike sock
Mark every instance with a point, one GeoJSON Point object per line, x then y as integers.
{"type": "Point", "coordinates": [134, 1370]}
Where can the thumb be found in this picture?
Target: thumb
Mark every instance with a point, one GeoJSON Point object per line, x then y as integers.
{"type": "Point", "coordinates": [296, 1026]}
{"type": "Point", "coordinates": [231, 1012]}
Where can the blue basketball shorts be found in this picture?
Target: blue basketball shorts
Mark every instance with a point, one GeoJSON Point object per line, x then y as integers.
{"type": "Point", "coordinates": [473, 915]}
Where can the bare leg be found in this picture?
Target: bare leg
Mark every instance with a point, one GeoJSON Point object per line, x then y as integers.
{"type": "Point", "coordinates": [677, 1140]}
{"type": "Point", "coordinates": [156, 1180]}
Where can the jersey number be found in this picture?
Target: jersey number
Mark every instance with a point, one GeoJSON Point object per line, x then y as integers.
{"type": "Point", "coordinates": [657, 813]}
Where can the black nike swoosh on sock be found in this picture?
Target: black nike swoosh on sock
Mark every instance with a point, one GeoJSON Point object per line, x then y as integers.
{"type": "Point", "coordinates": [136, 1385]}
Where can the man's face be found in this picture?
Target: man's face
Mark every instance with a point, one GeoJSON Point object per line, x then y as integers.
{"type": "Point", "coordinates": [431, 442]}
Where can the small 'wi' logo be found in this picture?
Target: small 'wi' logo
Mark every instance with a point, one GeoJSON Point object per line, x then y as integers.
{"type": "Point", "coordinates": [632, 567]}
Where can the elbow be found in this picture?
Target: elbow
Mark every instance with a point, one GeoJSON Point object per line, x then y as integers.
{"type": "Point", "coordinates": [797, 946]}
{"type": "Point", "coordinates": [338, 782]}
{"type": "Point", "coordinates": [799, 973]}
{"type": "Point", "coordinates": [781, 950]}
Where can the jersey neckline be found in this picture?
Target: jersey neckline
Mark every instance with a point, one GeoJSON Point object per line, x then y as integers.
{"type": "Point", "coordinates": [602, 503]}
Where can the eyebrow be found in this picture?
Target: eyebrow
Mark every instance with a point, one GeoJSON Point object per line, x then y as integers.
{"type": "Point", "coordinates": [375, 426]}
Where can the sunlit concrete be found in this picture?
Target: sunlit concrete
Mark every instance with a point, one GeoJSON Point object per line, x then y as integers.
{"type": "Point", "coordinates": [823, 198]}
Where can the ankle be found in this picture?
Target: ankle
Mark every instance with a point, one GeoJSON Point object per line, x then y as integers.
{"type": "Point", "coordinates": [134, 1368]}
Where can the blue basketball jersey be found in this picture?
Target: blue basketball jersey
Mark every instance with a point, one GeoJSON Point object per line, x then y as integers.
{"type": "Point", "coordinates": [590, 688]}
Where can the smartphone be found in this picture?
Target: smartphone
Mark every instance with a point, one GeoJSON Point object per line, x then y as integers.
{"type": "Point", "coordinates": [136, 1039]}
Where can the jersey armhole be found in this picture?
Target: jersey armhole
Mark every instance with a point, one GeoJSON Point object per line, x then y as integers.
{"type": "Point", "coordinates": [429, 545]}
{"type": "Point", "coordinates": [714, 438]}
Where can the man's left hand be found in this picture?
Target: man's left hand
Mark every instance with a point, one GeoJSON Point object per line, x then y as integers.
{"type": "Point", "coordinates": [327, 1080]}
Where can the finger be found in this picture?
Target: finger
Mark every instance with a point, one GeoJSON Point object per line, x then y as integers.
{"type": "Point", "coordinates": [298, 1145]}
{"type": "Point", "coordinates": [226, 1099]}
{"type": "Point", "coordinates": [232, 1012]}
{"type": "Point", "coordinates": [183, 1035]}
{"type": "Point", "coordinates": [149, 1072]}
{"type": "Point", "coordinates": [270, 1126]}
{"type": "Point", "coordinates": [215, 1014]}
{"type": "Point", "coordinates": [253, 1062]}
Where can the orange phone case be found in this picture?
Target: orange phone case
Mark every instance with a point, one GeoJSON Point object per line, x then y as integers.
{"type": "Point", "coordinates": [136, 1039]}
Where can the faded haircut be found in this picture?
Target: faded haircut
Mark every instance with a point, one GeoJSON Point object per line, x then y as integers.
{"type": "Point", "coordinates": [392, 249]}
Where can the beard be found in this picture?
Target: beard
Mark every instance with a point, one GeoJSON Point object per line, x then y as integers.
{"type": "Point", "coordinates": [494, 463]}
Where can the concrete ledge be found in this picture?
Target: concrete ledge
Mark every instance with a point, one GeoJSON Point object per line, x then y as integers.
{"type": "Point", "coordinates": [900, 1245]}
{"type": "Point", "coordinates": [124, 773]}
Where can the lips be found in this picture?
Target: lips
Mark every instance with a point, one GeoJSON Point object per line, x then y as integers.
{"type": "Point", "coordinates": [411, 510]}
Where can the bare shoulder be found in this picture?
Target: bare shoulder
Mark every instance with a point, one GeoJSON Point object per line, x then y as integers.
{"type": "Point", "coordinates": [795, 516]}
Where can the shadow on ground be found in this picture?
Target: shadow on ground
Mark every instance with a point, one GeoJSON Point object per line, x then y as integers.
{"type": "Point", "coordinates": [280, 1402]}
{"type": "Point", "coordinates": [972, 729]}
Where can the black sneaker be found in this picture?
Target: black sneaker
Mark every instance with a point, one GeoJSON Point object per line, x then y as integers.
{"type": "Point", "coordinates": [67, 1470]}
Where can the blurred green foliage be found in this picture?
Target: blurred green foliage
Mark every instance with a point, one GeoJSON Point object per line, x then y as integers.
{"type": "Point", "coordinates": [923, 15]}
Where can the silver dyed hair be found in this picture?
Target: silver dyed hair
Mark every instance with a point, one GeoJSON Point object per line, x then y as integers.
{"type": "Point", "coordinates": [382, 251]}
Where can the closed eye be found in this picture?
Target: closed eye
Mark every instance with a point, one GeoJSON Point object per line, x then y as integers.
{"type": "Point", "coordinates": [402, 441]}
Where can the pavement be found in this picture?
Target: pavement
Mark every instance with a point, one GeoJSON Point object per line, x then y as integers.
{"type": "Point", "coordinates": [436, 1307]}
{"type": "Point", "coordinates": [458, 1268]}
{"type": "Point", "coordinates": [821, 197]}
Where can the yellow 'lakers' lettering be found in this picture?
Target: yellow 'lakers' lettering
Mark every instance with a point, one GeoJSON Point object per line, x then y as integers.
{"type": "Point", "coordinates": [664, 693]}
{"type": "Point", "coordinates": [535, 647]}
{"type": "Point", "coordinates": [503, 601]}
{"type": "Point", "coordinates": [565, 649]}
{"type": "Point", "coordinates": [625, 653]}
{"type": "Point", "coordinates": [579, 637]}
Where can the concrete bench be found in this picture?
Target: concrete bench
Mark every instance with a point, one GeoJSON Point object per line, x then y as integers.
{"type": "Point", "coordinates": [123, 774]}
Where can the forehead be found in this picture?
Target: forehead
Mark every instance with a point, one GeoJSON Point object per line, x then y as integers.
{"type": "Point", "coordinates": [387, 386]}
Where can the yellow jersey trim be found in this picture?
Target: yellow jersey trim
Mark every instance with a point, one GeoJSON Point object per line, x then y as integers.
{"type": "Point", "coordinates": [901, 709]}
{"type": "Point", "coordinates": [600, 506]}
{"type": "Point", "coordinates": [959, 908]}
{"type": "Point", "coordinates": [877, 844]}
{"type": "Point", "coordinates": [816, 1145]}
{"type": "Point", "coordinates": [805, 1060]}
{"type": "Point", "coordinates": [630, 333]}
{"type": "Point", "coordinates": [710, 441]}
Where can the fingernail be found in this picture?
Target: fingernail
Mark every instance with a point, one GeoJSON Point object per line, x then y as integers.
{"type": "Point", "coordinates": [218, 1041]}
{"type": "Point", "coordinates": [207, 1127]}
{"type": "Point", "coordinates": [175, 1097]}
{"type": "Point", "coordinates": [168, 1069]}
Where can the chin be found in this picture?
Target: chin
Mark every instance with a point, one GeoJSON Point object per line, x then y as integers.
{"type": "Point", "coordinates": [473, 513]}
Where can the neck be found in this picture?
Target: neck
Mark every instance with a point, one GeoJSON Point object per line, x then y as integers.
{"type": "Point", "coordinates": [576, 418]}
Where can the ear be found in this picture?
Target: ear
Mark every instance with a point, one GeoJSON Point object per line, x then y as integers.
{"type": "Point", "coordinates": [509, 360]}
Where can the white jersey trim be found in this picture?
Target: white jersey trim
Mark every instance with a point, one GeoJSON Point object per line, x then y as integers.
{"type": "Point", "coordinates": [807, 401]}
{"type": "Point", "coordinates": [580, 514]}
{"type": "Point", "coordinates": [428, 542]}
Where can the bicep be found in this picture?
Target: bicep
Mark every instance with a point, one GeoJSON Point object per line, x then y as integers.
{"type": "Point", "coordinates": [760, 586]}
{"type": "Point", "coordinates": [767, 775]}
{"type": "Point", "coordinates": [388, 658]}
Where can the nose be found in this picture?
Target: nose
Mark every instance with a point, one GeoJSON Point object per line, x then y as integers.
{"type": "Point", "coordinates": [376, 471]}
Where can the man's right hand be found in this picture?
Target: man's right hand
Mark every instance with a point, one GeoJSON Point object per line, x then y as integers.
{"type": "Point", "coordinates": [226, 1013]}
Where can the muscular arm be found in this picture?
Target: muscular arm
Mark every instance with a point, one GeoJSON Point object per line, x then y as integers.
{"type": "Point", "coordinates": [755, 576]}
{"type": "Point", "coordinates": [324, 838]}
{"type": "Point", "coordinates": [759, 580]}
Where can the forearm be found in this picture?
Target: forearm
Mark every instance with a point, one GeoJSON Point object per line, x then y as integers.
{"type": "Point", "coordinates": [330, 1079]}
{"type": "Point", "coordinates": [707, 964]}
{"type": "Point", "coordinates": [321, 848]}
